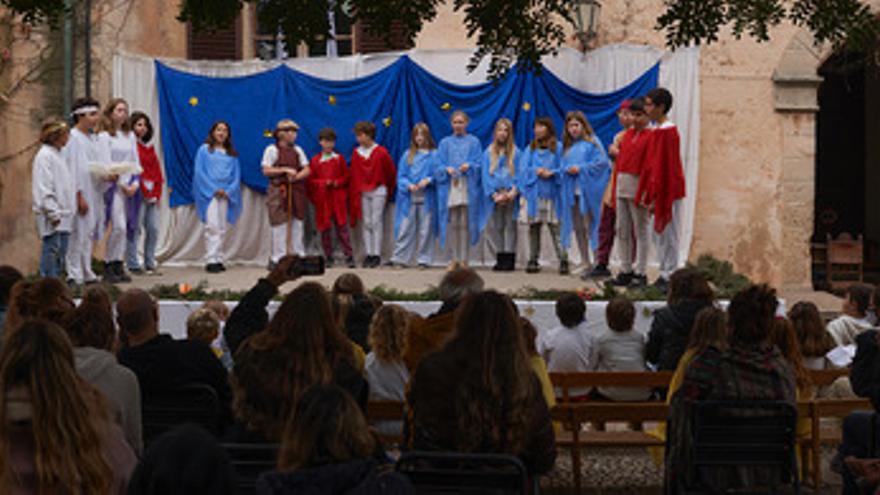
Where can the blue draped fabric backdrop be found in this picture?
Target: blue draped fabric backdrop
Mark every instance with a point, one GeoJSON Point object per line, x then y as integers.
{"type": "Point", "coordinates": [394, 98]}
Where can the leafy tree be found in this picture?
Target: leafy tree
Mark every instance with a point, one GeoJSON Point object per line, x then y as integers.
{"type": "Point", "coordinates": [522, 31]}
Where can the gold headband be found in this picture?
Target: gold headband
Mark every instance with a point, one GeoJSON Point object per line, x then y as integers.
{"type": "Point", "coordinates": [53, 128]}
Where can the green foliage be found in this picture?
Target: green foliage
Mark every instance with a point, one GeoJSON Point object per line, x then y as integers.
{"type": "Point", "coordinates": [386, 293]}
{"type": "Point", "coordinates": [722, 276]}
{"type": "Point", "coordinates": [200, 292]}
{"type": "Point", "coordinates": [36, 10]}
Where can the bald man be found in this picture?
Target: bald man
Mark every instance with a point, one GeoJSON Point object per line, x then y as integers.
{"type": "Point", "coordinates": [160, 362]}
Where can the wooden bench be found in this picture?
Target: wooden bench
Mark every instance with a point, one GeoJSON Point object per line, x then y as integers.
{"type": "Point", "coordinates": [387, 411]}
{"type": "Point", "coordinates": [819, 436]}
{"type": "Point", "coordinates": [624, 379]}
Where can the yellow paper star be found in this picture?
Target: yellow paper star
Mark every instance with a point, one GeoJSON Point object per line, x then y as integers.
{"type": "Point", "coordinates": [527, 106]}
{"type": "Point", "coordinates": [445, 107]}
{"type": "Point", "coordinates": [387, 121]}
{"type": "Point", "coordinates": [193, 101]}
{"type": "Point", "coordinates": [331, 100]}
{"type": "Point", "coordinates": [267, 133]}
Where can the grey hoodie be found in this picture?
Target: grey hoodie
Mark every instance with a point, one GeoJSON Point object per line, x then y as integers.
{"type": "Point", "coordinates": [119, 384]}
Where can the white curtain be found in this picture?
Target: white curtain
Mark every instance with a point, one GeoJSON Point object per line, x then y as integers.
{"type": "Point", "coordinates": [601, 70]}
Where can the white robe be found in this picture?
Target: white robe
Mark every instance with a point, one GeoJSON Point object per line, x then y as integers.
{"type": "Point", "coordinates": [80, 153]}
{"type": "Point", "coordinates": [54, 192]}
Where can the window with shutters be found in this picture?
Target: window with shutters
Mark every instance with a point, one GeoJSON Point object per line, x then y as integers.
{"type": "Point", "coordinates": [367, 42]}
{"type": "Point", "coordinates": [219, 44]}
{"type": "Point", "coordinates": [268, 40]}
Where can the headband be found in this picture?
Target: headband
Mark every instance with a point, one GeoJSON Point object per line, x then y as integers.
{"type": "Point", "coordinates": [84, 110]}
{"type": "Point", "coordinates": [52, 129]}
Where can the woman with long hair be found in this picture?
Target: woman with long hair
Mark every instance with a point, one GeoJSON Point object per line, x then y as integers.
{"type": "Point", "coordinates": [55, 432]}
{"type": "Point", "coordinates": [217, 190]}
{"type": "Point", "coordinates": [480, 393]}
{"type": "Point", "coordinates": [586, 171]}
{"type": "Point", "coordinates": [416, 200]}
{"type": "Point", "coordinates": [814, 340]}
{"type": "Point", "coordinates": [500, 195]}
{"type": "Point", "coordinates": [45, 298]}
{"type": "Point", "coordinates": [123, 198]}
{"type": "Point", "coordinates": [302, 346]}
{"type": "Point", "coordinates": [151, 191]}
{"type": "Point", "coordinates": [384, 368]}
{"type": "Point", "coordinates": [327, 447]}
{"type": "Point", "coordinates": [539, 184]}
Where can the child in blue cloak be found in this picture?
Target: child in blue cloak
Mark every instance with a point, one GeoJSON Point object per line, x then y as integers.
{"type": "Point", "coordinates": [500, 200]}
{"type": "Point", "coordinates": [416, 200]}
{"type": "Point", "coordinates": [586, 172]}
{"type": "Point", "coordinates": [540, 180]}
{"type": "Point", "coordinates": [457, 179]}
{"type": "Point", "coordinates": [216, 189]}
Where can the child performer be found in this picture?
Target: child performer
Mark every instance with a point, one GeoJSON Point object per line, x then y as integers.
{"type": "Point", "coordinates": [151, 189]}
{"type": "Point", "coordinates": [632, 216]}
{"type": "Point", "coordinates": [287, 167]}
{"type": "Point", "coordinates": [121, 146]}
{"type": "Point", "coordinates": [663, 186]}
{"type": "Point", "coordinates": [328, 190]}
{"type": "Point", "coordinates": [54, 197]}
{"type": "Point", "coordinates": [372, 179]}
{"type": "Point", "coordinates": [82, 152]}
{"type": "Point", "coordinates": [499, 167]}
{"type": "Point", "coordinates": [539, 181]}
{"type": "Point", "coordinates": [609, 199]}
{"type": "Point", "coordinates": [586, 174]}
{"type": "Point", "coordinates": [217, 190]}
{"type": "Point", "coordinates": [458, 191]}
{"type": "Point", "coordinates": [416, 199]}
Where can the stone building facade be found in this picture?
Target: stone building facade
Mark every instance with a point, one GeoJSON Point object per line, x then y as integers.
{"type": "Point", "coordinates": [758, 107]}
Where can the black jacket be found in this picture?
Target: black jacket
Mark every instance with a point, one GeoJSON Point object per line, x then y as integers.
{"type": "Point", "coordinates": [670, 332]}
{"type": "Point", "coordinates": [360, 477]}
{"type": "Point", "coordinates": [864, 375]}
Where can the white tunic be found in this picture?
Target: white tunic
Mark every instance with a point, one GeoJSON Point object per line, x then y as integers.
{"type": "Point", "coordinates": [80, 153]}
{"type": "Point", "coordinates": [54, 192]}
{"type": "Point", "coordinates": [121, 148]}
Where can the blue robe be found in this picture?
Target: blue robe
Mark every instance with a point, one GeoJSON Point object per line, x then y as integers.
{"type": "Point", "coordinates": [534, 188]}
{"type": "Point", "coordinates": [594, 172]}
{"type": "Point", "coordinates": [452, 152]}
{"type": "Point", "coordinates": [422, 167]}
{"type": "Point", "coordinates": [215, 170]}
{"type": "Point", "coordinates": [500, 179]}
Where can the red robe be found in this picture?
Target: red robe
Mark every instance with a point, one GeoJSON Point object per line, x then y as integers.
{"type": "Point", "coordinates": [662, 181]}
{"type": "Point", "coordinates": [366, 175]}
{"type": "Point", "coordinates": [328, 190]}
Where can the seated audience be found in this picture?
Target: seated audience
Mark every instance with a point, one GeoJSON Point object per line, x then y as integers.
{"type": "Point", "coordinates": [183, 461]}
{"type": "Point", "coordinates": [161, 363]}
{"type": "Point", "coordinates": [219, 344]}
{"type": "Point", "coordinates": [751, 368]}
{"type": "Point", "coordinates": [620, 348]}
{"type": "Point", "coordinates": [45, 298]}
{"type": "Point", "coordinates": [93, 335]}
{"type": "Point", "coordinates": [689, 292]}
{"type": "Point", "coordinates": [479, 393]}
{"type": "Point", "coordinates": [327, 447]}
{"type": "Point", "coordinates": [56, 434]}
{"type": "Point", "coordinates": [537, 362]}
{"type": "Point", "coordinates": [854, 320]}
{"type": "Point", "coordinates": [301, 347]}
{"type": "Point", "coordinates": [203, 325]}
{"type": "Point", "coordinates": [353, 308]}
{"type": "Point", "coordinates": [572, 346]}
{"type": "Point", "coordinates": [432, 333]}
{"type": "Point", "coordinates": [814, 341]}
{"type": "Point", "coordinates": [8, 277]}
{"type": "Point", "coordinates": [384, 369]}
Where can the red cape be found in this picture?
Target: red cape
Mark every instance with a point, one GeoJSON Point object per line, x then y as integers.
{"type": "Point", "coordinates": [331, 201]}
{"type": "Point", "coordinates": [366, 175]}
{"type": "Point", "coordinates": [662, 180]}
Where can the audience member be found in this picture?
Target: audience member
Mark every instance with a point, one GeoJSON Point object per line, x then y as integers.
{"type": "Point", "coordinates": [203, 325]}
{"type": "Point", "coordinates": [751, 368]}
{"type": "Point", "coordinates": [479, 393]}
{"type": "Point", "coordinates": [219, 344]}
{"type": "Point", "coordinates": [689, 292]}
{"type": "Point", "coordinates": [56, 434]}
{"type": "Point", "coordinates": [854, 320]}
{"type": "Point", "coordinates": [385, 372]}
{"type": "Point", "coordinates": [45, 298]}
{"type": "Point", "coordinates": [8, 277]}
{"type": "Point", "coordinates": [302, 346]}
{"type": "Point", "coordinates": [620, 348]}
{"type": "Point", "coordinates": [327, 448]}
{"type": "Point", "coordinates": [570, 347]}
{"type": "Point", "coordinates": [537, 362]}
{"type": "Point", "coordinates": [93, 335]}
{"type": "Point", "coordinates": [432, 333]}
{"type": "Point", "coordinates": [353, 308]}
{"type": "Point", "coordinates": [161, 363]}
{"type": "Point", "coordinates": [814, 341]}
{"type": "Point", "coordinates": [183, 461]}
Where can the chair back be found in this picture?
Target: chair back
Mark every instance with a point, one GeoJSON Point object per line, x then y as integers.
{"type": "Point", "coordinates": [845, 261]}
{"type": "Point", "coordinates": [250, 460]}
{"type": "Point", "coordinates": [736, 434]}
{"type": "Point", "coordinates": [387, 417]}
{"type": "Point", "coordinates": [446, 472]}
{"type": "Point", "coordinates": [192, 403]}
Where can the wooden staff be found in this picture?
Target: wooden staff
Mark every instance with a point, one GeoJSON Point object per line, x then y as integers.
{"type": "Point", "coordinates": [289, 193]}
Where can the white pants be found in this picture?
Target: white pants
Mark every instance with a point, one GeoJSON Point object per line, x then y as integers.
{"type": "Point", "coordinates": [279, 240]}
{"type": "Point", "coordinates": [666, 243]}
{"type": "Point", "coordinates": [458, 232]}
{"type": "Point", "coordinates": [504, 228]}
{"type": "Point", "coordinates": [79, 249]}
{"type": "Point", "coordinates": [632, 218]}
{"type": "Point", "coordinates": [116, 241]}
{"type": "Point", "coordinates": [373, 209]}
{"type": "Point", "coordinates": [414, 237]}
{"type": "Point", "coordinates": [215, 229]}
{"type": "Point", "coordinates": [582, 225]}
